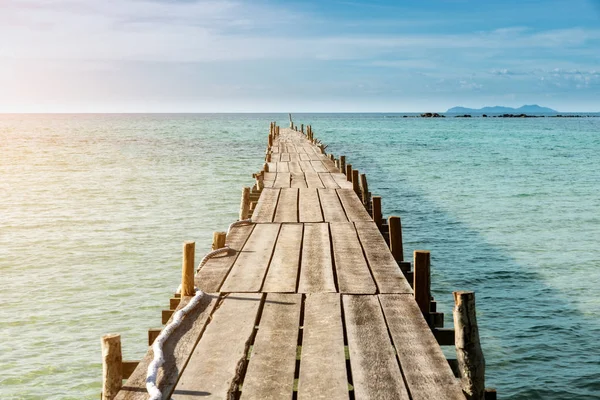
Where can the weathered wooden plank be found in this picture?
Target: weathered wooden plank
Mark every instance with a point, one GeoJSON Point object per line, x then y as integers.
{"type": "Point", "coordinates": [375, 370]}
{"type": "Point", "coordinates": [272, 363]}
{"type": "Point", "coordinates": [388, 275]}
{"type": "Point", "coordinates": [341, 180]}
{"type": "Point", "coordinates": [318, 166]}
{"type": "Point", "coordinates": [309, 206]}
{"type": "Point", "coordinates": [330, 165]}
{"type": "Point", "coordinates": [283, 180]}
{"type": "Point", "coordinates": [313, 180]}
{"type": "Point", "coordinates": [316, 269]}
{"type": "Point", "coordinates": [323, 361]}
{"type": "Point", "coordinates": [213, 371]}
{"type": "Point", "coordinates": [287, 206]}
{"type": "Point", "coordinates": [177, 350]}
{"type": "Point", "coordinates": [275, 157]}
{"type": "Point", "coordinates": [213, 273]}
{"type": "Point", "coordinates": [316, 157]}
{"type": "Point", "coordinates": [305, 157]}
{"type": "Point", "coordinates": [272, 166]}
{"type": "Point", "coordinates": [425, 368]}
{"type": "Point", "coordinates": [354, 208]}
{"type": "Point", "coordinates": [249, 269]}
{"type": "Point", "coordinates": [294, 157]}
{"type": "Point", "coordinates": [285, 157]}
{"type": "Point", "coordinates": [328, 180]}
{"type": "Point", "coordinates": [283, 269]}
{"type": "Point", "coordinates": [283, 167]}
{"type": "Point", "coordinates": [265, 208]}
{"type": "Point", "coordinates": [306, 166]}
{"type": "Point", "coordinates": [298, 180]}
{"type": "Point", "coordinates": [294, 167]}
{"type": "Point", "coordinates": [353, 274]}
{"type": "Point", "coordinates": [332, 208]}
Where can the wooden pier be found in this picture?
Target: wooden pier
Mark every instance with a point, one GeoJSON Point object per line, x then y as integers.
{"type": "Point", "coordinates": [314, 299]}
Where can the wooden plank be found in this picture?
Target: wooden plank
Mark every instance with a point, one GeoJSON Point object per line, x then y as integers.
{"type": "Point", "coordinates": [316, 157]}
{"type": "Point", "coordinates": [353, 275]}
{"type": "Point", "coordinates": [341, 180]}
{"type": "Point", "coordinates": [332, 208]}
{"type": "Point", "coordinates": [306, 166]}
{"type": "Point", "coordinates": [294, 157]}
{"type": "Point", "coordinates": [285, 157]}
{"type": "Point", "coordinates": [328, 181]}
{"type": "Point", "coordinates": [272, 166]}
{"type": "Point", "coordinates": [309, 206]}
{"type": "Point", "coordinates": [388, 275]}
{"type": "Point", "coordinates": [265, 208]}
{"type": "Point", "coordinates": [213, 273]}
{"type": "Point", "coordinates": [355, 210]}
{"type": "Point", "coordinates": [304, 157]}
{"type": "Point", "coordinates": [298, 180]}
{"type": "Point", "coordinates": [282, 180]}
{"type": "Point", "coordinates": [283, 167]}
{"type": "Point", "coordinates": [269, 178]}
{"type": "Point", "coordinates": [323, 361]}
{"type": "Point", "coordinates": [330, 165]}
{"type": "Point", "coordinates": [249, 269]}
{"type": "Point", "coordinates": [272, 363]}
{"type": "Point", "coordinates": [283, 269]}
{"type": "Point", "coordinates": [313, 180]}
{"type": "Point", "coordinates": [318, 166]}
{"type": "Point", "coordinates": [275, 157]}
{"type": "Point", "coordinates": [316, 269]}
{"type": "Point", "coordinates": [177, 350]}
{"type": "Point", "coordinates": [371, 352]}
{"type": "Point", "coordinates": [425, 368]}
{"type": "Point", "coordinates": [294, 167]}
{"type": "Point", "coordinates": [213, 371]}
{"type": "Point", "coordinates": [287, 206]}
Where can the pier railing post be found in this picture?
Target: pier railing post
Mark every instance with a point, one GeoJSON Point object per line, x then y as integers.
{"type": "Point", "coordinates": [219, 239]}
{"type": "Point", "coordinates": [422, 280]}
{"type": "Point", "coordinates": [468, 348]}
{"type": "Point", "coordinates": [355, 183]}
{"type": "Point", "coordinates": [349, 172]}
{"type": "Point", "coordinates": [245, 204]}
{"type": "Point", "coordinates": [187, 269]}
{"type": "Point", "coordinates": [343, 164]}
{"type": "Point", "coordinates": [112, 366]}
{"type": "Point", "coordinates": [377, 216]}
{"type": "Point", "coordinates": [364, 189]}
{"type": "Point", "coordinates": [395, 229]}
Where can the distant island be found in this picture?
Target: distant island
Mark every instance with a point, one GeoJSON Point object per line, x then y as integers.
{"type": "Point", "coordinates": [526, 109]}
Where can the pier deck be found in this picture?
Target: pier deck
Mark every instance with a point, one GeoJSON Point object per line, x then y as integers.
{"type": "Point", "coordinates": [309, 304]}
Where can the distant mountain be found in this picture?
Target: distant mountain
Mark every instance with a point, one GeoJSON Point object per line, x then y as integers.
{"type": "Point", "coordinates": [526, 109]}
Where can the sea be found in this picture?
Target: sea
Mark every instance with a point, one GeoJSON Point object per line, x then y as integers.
{"type": "Point", "coordinates": [94, 209]}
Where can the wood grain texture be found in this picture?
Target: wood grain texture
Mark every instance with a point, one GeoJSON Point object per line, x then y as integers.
{"type": "Point", "coordinates": [287, 206]}
{"type": "Point", "coordinates": [265, 208]}
{"type": "Point", "coordinates": [283, 180]}
{"type": "Point", "coordinates": [316, 269]}
{"type": "Point", "coordinates": [309, 206]}
{"type": "Point", "coordinates": [323, 361]}
{"type": "Point", "coordinates": [353, 275]}
{"type": "Point", "coordinates": [355, 210]}
{"type": "Point", "coordinates": [313, 180]}
{"type": "Point", "coordinates": [270, 373]}
{"type": "Point", "coordinates": [341, 180]}
{"type": "Point", "coordinates": [331, 206]}
{"type": "Point", "coordinates": [283, 269]}
{"type": "Point", "coordinates": [298, 180]}
{"type": "Point", "coordinates": [328, 180]}
{"type": "Point", "coordinates": [318, 166]}
{"type": "Point", "coordinates": [425, 368]}
{"type": "Point", "coordinates": [283, 166]}
{"type": "Point", "coordinates": [215, 366]}
{"type": "Point", "coordinates": [375, 370]}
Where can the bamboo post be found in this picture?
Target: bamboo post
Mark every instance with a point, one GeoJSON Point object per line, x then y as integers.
{"type": "Point", "coordinates": [468, 348]}
{"type": "Point", "coordinates": [365, 189]}
{"type": "Point", "coordinates": [377, 217]}
{"type": "Point", "coordinates": [219, 240]}
{"type": "Point", "coordinates": [343, 164]}
{"type": "Point", "coordinates": [187, 269]}
{"type": "Point", "coordinates": [355, 184]}
{"type": "Point", "coordinates": [421, 280]}
{"type": "Point", "coordinates": [245, 204]}
{"type": "Point", "coordinates": [349, 172]}
{"type": "Point", "coordinates": [395, 229]}
{"type": "Point", "coordinates": [112, 366]}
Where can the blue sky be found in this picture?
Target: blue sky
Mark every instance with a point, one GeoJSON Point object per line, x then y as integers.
{"type": "Point", "coordinates": [313, 56]}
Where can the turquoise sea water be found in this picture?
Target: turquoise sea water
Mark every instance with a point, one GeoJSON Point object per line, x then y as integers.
{"type": "Point", "coordinates": [94, 209]}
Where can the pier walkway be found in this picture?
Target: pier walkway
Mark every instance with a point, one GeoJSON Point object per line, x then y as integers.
{"type": "Point", "coordinates": [309, 303]}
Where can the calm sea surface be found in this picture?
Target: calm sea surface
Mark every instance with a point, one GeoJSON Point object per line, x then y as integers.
{"type": "Point", "coordinates": [94, 208]}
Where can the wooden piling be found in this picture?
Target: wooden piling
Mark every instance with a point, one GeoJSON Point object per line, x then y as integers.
{"type": "Point", "coordinates": [343, 164]}
{"type": "Point", "coordinates": [377, 216]}
{"type": "Point", "coordinates": [260, 180]}
{"type": "Point", "coordinates": [187, 269]}
{"type": "Point", "coordinates": [395, 229]}
{"type": "Point", "coordinates": [265, 167]}
{"type": "Point", "coordinates": [349, 172]}
{"type": "Point", "coordinates": [302, 128]}
{"type": "Point", "coordinates": [270, 141]}
{"type": "Point", "coordinates": [470, 358]}
{"type": "Point", "coordinates": [364, 189]}
{"type": "Point", "coordinates": [245, 204]}
{"type": "Point", "coordinates": [355, 183]}
{"type": "Point", "coordinates": [219, 240]}
{"type": "Point", "coordinates": [421, 280]}
{"type": "Point", "coordinates": [112, 366]}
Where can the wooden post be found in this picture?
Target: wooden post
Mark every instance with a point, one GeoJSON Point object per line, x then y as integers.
{"type": "Point", "coordinates": [245, 203]}
{"type": "Point", "coordinates": [270, 141]}
{"type": "Point", "coordinates": [219, 240]}
{"type": "Point", "coordinates": [260, 180]}
{"type": "Point", "coordinates": [343, 164]}
{"type": "Point", "coordinates": [421, 282]}
{"type": "Point", "coordinates": [395, 229]}
{"type": "Point", "coordinates": [187, 269]}
{"type": "Point", "coordinates": [468, 349]}
{"type": "Point", "coordinates": [269, 157]}
{"type": "Point", "coordinates": [349, 172]}
{"type": "Point", "coordinates": [365, 189]}
{"type": "Point", "coordinates": [265, 168]}
{"type": "Point", "coordinates": [377, 216]}
{"type": "Point", "coordinates": [302, 128]}
{"type": "Point", "coordinates": [112, 366]}
{"type": "Point", "coordinates": [355, 184]}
